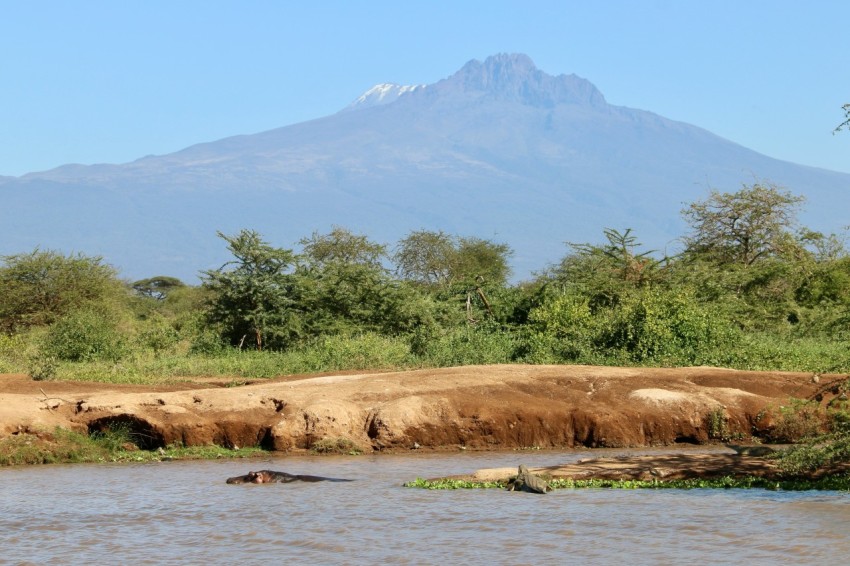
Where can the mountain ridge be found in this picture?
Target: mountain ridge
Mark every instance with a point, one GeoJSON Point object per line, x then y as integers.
{"type": "Point", "coordinates": [499, 149]}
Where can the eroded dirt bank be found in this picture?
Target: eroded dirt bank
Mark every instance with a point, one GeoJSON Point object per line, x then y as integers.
{"type": "Point", "coordinates": [477, 407]}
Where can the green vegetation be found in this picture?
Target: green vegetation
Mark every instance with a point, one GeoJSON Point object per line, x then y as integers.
{"type": "Point", "coordinates": [751, 289]}
{"type": "Point", "coordinates": [718, 425]}
{"type": "Point", "coordinates": [64, 446]}
{"type": "Point", "coordinates": [841, 483]}
{"type": "Point", "coordinates": [335, 446]}
{"type": "Point", "coordinates": [454, 484]}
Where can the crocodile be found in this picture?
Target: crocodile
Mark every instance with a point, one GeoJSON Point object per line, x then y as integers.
{"type": "Point", "coordinates": [526, 481]}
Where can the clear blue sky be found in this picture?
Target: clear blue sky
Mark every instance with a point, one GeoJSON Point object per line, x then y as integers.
{"type": "Point", "coordinates": [97, 81]}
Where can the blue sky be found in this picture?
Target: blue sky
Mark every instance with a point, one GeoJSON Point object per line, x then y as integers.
{"type": "Point", "coordinates": [111, 81]}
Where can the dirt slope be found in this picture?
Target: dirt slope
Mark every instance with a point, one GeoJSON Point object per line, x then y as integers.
{"type": "Point", "coordinates": [478, 407]}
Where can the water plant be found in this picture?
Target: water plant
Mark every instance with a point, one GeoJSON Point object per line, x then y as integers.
{"type": "Point", "coordinates": [835, 483]}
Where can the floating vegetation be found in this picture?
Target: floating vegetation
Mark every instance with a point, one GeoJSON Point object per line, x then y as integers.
{"type": "Point", "coordinates": [831, 483]}
{"type": "Point", "coordinates": [453, 484]}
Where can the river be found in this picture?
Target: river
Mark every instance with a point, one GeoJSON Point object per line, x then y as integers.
{"type": "Point", "coordinates": [184, 513]}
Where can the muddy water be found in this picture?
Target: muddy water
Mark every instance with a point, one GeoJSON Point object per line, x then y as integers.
{"type": "Point", "coordinates": [184, 513]}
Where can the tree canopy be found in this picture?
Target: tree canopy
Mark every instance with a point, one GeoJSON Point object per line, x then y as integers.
{"type": "Point", "coordinates": [40, 287]}
{"type": "Point", "coordinates": [157, 287]}
{"type": "Point", "coordinates": [343, 246]}
{"type": "Point", "coordinates": [439, 259]}
{"type": "Point", "coordinates": [742, 227]}
{"type": "Point", "coordinates": [253, 294]}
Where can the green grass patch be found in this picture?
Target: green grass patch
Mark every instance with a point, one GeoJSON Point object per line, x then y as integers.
{"type": "Point", "coordinates": [372, 351]}
{"type": "Point", "coordinates": [765, 351]}
{"type": "Point", "coordinates": [364, 352]}
{"type": "Point", "coordinates": [63, 446]}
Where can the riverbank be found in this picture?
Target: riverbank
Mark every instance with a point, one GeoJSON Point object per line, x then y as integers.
{"type": "Point", "coordinates": [653, 468]}
{"type": "Point", "coordinates": [476, 407]}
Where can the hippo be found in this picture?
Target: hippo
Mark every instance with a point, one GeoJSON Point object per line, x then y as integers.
{"type": "Point", "coordinates": [526, 481]}
{"type": "Point", "coordinates": [270, 476]}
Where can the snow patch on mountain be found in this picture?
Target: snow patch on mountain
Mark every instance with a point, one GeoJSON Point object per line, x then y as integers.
{"type": "Point", "coordinates": [383, 93]}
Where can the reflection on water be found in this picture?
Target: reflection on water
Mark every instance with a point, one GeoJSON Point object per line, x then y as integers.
{"type": "Point", "coordinates": [183, 512]}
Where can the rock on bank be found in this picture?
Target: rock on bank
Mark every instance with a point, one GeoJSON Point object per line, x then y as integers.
{"type": "Point", "coordinates": [478, 407]}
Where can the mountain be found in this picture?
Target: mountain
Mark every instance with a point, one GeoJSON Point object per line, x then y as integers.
{"type": "Point", "coordinates": [381, 94]}
{"type": "Point", "coordinates": [498, 150]}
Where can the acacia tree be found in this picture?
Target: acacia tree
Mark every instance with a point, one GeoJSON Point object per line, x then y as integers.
{"type": "Point", "coordinates": [40, 287]}
{"type": "Point", "coordinates": [343, 246]}
{"type": "Point", "coordinates": [426, 257]}
{"type": "Point", "coordinates": [254, 294]}
{"type": "Point", "coordinates": [451, 268]}
{"type": "Point", "coordinates": [157, 287]}
{"type": "Point", "coordinates": [438, 259]}
{"type": "Point", "coordinates": [605, 273]}
{"type": "Point", "coordinates": [347, 288]}
{"type": "Point", "coordinates": [483, 261]}
{"type": "Point", "coordinates": [743, 227]}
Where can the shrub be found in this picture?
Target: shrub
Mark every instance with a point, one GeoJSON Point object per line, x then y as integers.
{"type": "Point", "coordinates": [363, 351]}
{"type": "Point", "coordinates": [42, 367]}
{"type": "Point", "coordinates": [207, 341]}
{"type": "Point", "coordinates": [471, 346]}
{"type": "Point", "coordinates": [43, 286]}
{"type": "Point", "coordinates": [717, 424]}
{"type": "Point", "coordinates": [798, 420]}
{"type": "Point", "coordinates": [157, 334]}
{"type": "Point", "coordinates": [564, 330]}
{"type": "Point", "coordinates": [85, 336]}
{"type": "Point", "coordinates": [817, 452]}
{"type": "Point", "coordinates": [13, 352]}
{"type": "Point", "coordinates": [664, 328]}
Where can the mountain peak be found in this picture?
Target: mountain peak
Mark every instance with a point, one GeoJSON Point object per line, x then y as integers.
{"type": "Point", "coordinates": [513, 76]}
{"type": "Point", "coordinates": [500, 67]}
{"type": "Point", "coordinates": [380, 94]}
{"type": "Point", "coordinates": [505, 76]}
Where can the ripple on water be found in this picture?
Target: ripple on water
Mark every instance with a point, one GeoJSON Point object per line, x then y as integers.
{"type": "Point", "coordinates": [183, 512]}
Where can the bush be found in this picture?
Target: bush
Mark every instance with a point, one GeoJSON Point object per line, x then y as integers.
{"type": "Point", "coordinates": [642, 327]}
{"type": "Point", "coordinates": [717, 424]}
{"type": "Point", "coordinates": [761, 351]}
{"type": "Point", "coordinates": [157, 334]}
{"type": "Point", "coordinates": [799, 420]}
{"type": "Point", "coordinates": [471, 346]}
{"type": "Point", "coordinates": [206, 341]}
{"type": "Point", "coordinates": [42, 367]}
{"type": "Point", "coordinates": [364, 351]}
{"type": "Point", "coordinates": [564, 329]}
{"type": "Point", "coordinates": [43, 286]}
{"type": "Point", "coordinates": [13, 354]}
{"type": "Point", "coordinates": [86, 336]}
{"type": "Point", "coordinates": [668, 329]}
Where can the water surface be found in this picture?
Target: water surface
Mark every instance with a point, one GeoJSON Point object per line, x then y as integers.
{"type": "Point", "coordinates": [184, 513]}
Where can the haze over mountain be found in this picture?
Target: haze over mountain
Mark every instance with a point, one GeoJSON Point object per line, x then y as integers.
{"type": "Point", "coordinates": [498, 150]}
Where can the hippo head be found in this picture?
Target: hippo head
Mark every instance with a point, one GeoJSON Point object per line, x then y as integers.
{"type": "Point", "coordinates": [250, 477]}
{"type": "Point", "coordinates": [259, 477]}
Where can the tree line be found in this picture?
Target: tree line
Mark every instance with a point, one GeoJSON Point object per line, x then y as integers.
{"type": "Point", "coordinates": [751, 289]}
